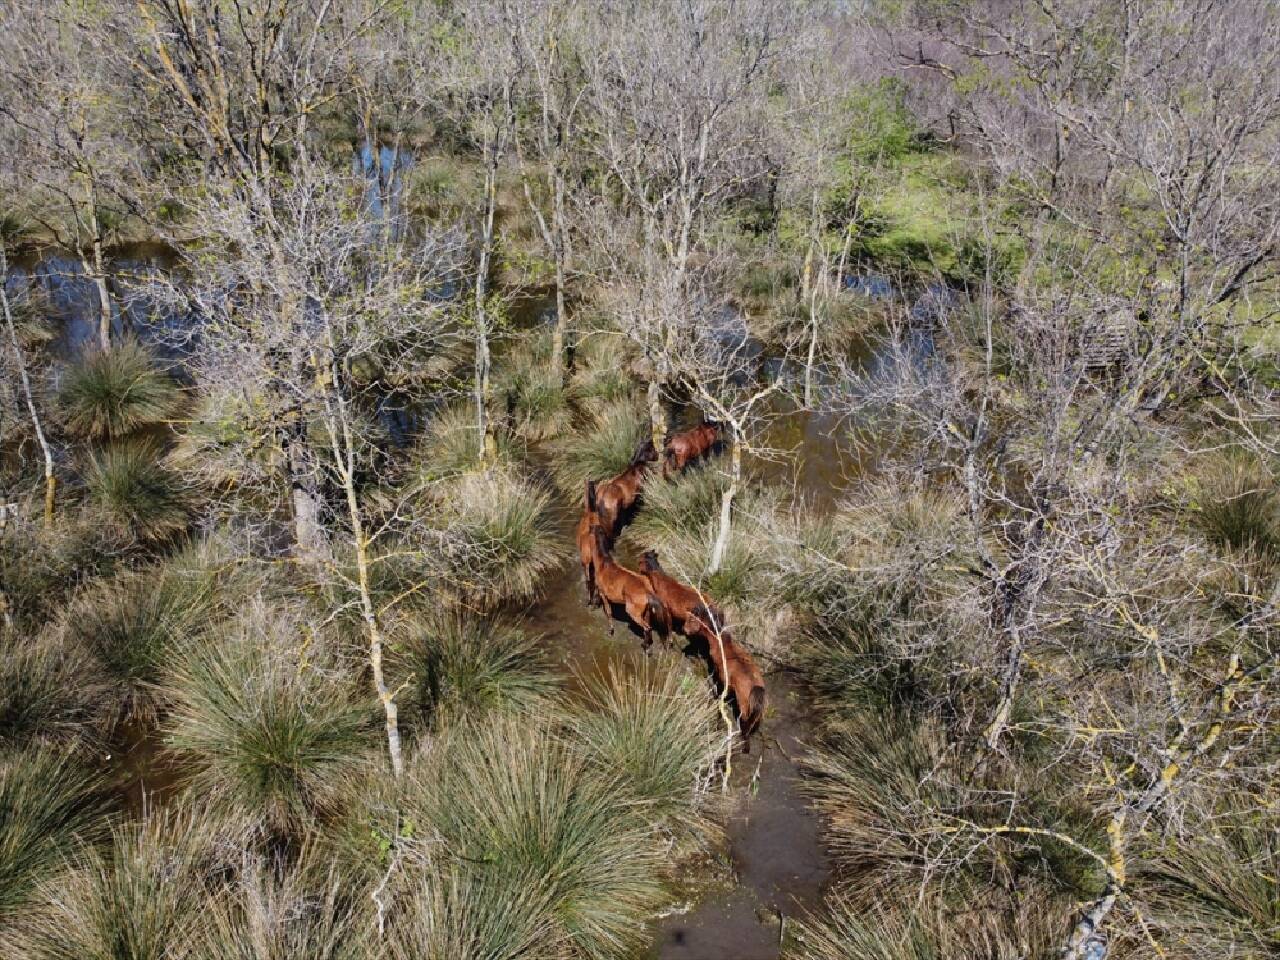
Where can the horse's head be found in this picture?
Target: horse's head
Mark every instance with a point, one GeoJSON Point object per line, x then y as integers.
{"type": "Point", "coordinates": [649, 562]}
{"type": "Point", "coordinates": [645, 453]}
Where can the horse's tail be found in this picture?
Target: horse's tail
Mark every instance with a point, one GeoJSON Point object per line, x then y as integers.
{"type": "Point", "coordinates": [656, 611]}
{"type": "Point", "coordinates": [591, 495]}
{"type": "Point", "coordinates": [750, 717]}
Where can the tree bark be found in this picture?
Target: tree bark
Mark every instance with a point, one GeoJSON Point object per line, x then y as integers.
{"type": "Point", "coordinates": [50, 480]}
{"type": "Point", "coordinates": [726, 505]}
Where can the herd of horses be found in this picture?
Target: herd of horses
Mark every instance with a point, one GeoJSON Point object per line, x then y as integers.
{"type": "Point", "coordinates": [649, 599]}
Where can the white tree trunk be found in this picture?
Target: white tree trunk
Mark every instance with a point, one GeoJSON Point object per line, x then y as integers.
{"type": "Point", "coordinates": [50, 480]}
{"type": "Point", "coordinates": [726, 506]}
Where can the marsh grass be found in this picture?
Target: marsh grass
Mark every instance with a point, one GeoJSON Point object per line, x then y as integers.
{"type": "Point", "coordinates": [848, 930]}
{"type": "Point", "coordinates": [276, 911]}
{"type": "Point", "coordinates": [600, 448]}
{"type": "Point", "coordinates": [454, 912]}
{"type": "Point", "coordinates": [39, 567]}
{"type": "Point", "coordinates": [536, 400]}
{"type": "Point", "coordinates": [452, 446]}
{"type": "Point", "coordinates": [1212, 892]}
{"type": "Point", "coordinates": [266, 720]}
{"type": "Point", "coordinates": [893, 789]}
{"type": "Point", "coordinates": [463, 668]}
{"type": "Point", "coordinates": [47, 801]}
{"type": "Point", "coordinates": [146, 897]}
{"type": "Point", "coordinates": [112, 393]}
{"type": "Point", "coordinates": [660, 732]}
{"type": "Point", "coordinates": [135, 495]}
{"type": "Point", "coordinates": [600, 373]}
{"type": "Point", "coordinates": [684, 506]}
{"type": "Point", "coordinates": [1239, 506]}
{"type": "Point", "coordinates": [518, 809]}
{"type": "Point", "coordinates": [50, 691]}
{"type": "Point", "coordinates": [134, 623]}
{"type": "Point", "coordinates": [504, 536]}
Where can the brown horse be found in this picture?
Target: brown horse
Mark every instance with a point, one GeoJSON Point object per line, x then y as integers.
{"type": "Point", "coordinates": [617, 496]}
{"type": "Point", "coordinates": [703, 621]}
{"type": "Point", "coordinates": [586, 536]}
{"type": "Point", "coordinates": [735, 669]}
{"type": "Point", "coordinates": [683, 448]}
{"type": "Point", "coordinates": [682, 602]}
{"type": "Point", "coordinates": [619, 587]}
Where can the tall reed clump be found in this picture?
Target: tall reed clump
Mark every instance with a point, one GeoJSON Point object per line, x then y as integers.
{"type": "Point", "coordinates": [1239, 506]}
{"type": "Point", "coordinates": [135, 623]}
{"type": "Point", "coordinates": [47, 801]}
{"type": "Point", "coordinates": [536, 403]}
{"type": "Point", "coordinates": [272, 910]}
{"type": "Point", "coordinates": [146, 897]}
{"type": "Point", "coordinates": [660, 733]}
{"type": "Point", "coordinates": [460, 668]}
{"type": "Point", "coordinates": [905, 808]}
{"type": "Point", "coordinates": [520, 813]}
{"type": "Point", "coordinates": [112, 393]}
{"type": "Point", "coordinates": [601, 448]}
{"type": "Point", "coordinates": [50, 691]}
{"type": "Point", "coordinates": [135, 494]}
{"type": "Point", "coordinates": [1211, 892]}
{"type": "Point", "coordinates": [600, 371]}
{"type": "Point", "coordinates": [452, 445]}
{"type": "Point", "coordinates": [266, 720]}
{"type": "Point", "coordinates": [502, 542]}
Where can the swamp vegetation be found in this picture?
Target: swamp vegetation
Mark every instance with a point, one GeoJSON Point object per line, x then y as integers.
{"type": "Point", "coordinates": [319, 316]}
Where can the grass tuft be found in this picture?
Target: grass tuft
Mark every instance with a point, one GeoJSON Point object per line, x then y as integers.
{"type": "Point", "coordinates": [600, 449]}
{"type": "Point", "coordinates": [452, 445]}
{"type": "Point", "coordinates": [539, 407]}
{"type": "Point", "coordinates": [135, 494]}
{"type": "Point", "coordinates": [462, 668]}
{"type": "Point", "coordinates": [504, 540]}
{"type": "Point", "coordinates": [50, 691]}
{"type": "Point", "coordinates": [266, 721]}
{"type": "Point", "coordinates": [112, 393]}
{"type": "Point", "coordinates": [660, 732]}
{"type": "Point", "coordinates": [47, 800]}
{"type": "Point", "coordinates": [1240, 506]}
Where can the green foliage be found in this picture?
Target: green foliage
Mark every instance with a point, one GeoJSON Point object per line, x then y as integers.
{"type": "Point", "coordinates": [266, 720]}
{"type": "Point", "coordinates": [1213, 891]}
{"type": "Point", "coordinates": [112, 393]}
{"type": "Point", "coordinates": [135, 494]}
{"type": "Point", "coordinates": [600, 371]}
{"type": "Point", "coordinates": [453, 445]}
{"type": "Point", "coordinates": [682, 506]}
{"type": "Point", "coordinates": [461, 668]}
{"type": "Point", "coordinates": [537, 403]}
{"type": "Point", "coordinates": [46, 801]}
{"type": "Point", "coordinates": [660, 732]}
{"type": "Point", "coordinates": [601, 448]}
{"type": "Point", "coordinates": [456, 912]}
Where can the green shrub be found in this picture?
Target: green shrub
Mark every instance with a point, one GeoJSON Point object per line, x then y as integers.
{"type": "Point", "coordinates": [146, 898]}
{"type": "Point", "coordinates": [536, 400]}
{"type": "Point", "coordinates": [1239, 506]}
{"type": "Point", "coordinates": [47, 800]}
{"type": "Point", "coordinates": [452, 445]}
{"type": "Point", "coordinates": [135, 494]}
{"type": "Point", "coordinates": [462, 668]}
{"type": "Point", "coordinates": [112, 393]}
{"type": "Point", "coordinates": [266, 721]}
